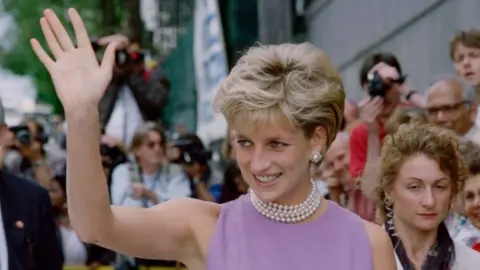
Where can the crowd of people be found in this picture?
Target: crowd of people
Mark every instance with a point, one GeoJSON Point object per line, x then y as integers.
{"type": "Point", "coordinates": [307, 178]}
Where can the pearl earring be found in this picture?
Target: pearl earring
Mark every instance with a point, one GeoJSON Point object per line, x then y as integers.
{"type": "Point", "coordinates": [316, 157]}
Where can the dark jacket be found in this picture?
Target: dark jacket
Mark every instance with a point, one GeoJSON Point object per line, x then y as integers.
{"type": "Point", "coordinates": [150, 91]}
{"type": "Point", "coordinates": [30, 230]}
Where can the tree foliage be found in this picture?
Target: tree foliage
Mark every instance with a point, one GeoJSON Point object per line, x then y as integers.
{"type": "Point", "coordinates": [27, 13]}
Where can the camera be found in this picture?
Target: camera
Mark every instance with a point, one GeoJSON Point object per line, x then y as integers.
{"type": "Point", "coordinates": [24, 137]}
{"type": "Point", "coordinates": [191, 150]}
{"type": "Point", "coordinates": [122, 57]}
{"type": "Point", "coordinates": [22, 133]}
{"type": "Point", "coordinates": [378, 87]}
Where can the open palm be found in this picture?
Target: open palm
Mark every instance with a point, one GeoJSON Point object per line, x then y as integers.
{"type": "Point", "coordinates": [78, 78]}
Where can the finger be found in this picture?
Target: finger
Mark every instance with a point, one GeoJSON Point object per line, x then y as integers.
{"type": "Point", "coordinates": [59, 31]}
{"type": "Point", "coordinates": [41, 54]}
{"type": "Point", "coordinates": [79, 27]}
{"type": "Point", "coordinates": [50, 38]}
{"type": "Point", "coordinates": [377, 100]}
{"type": "Point", "coordinates": [364, 102]}
{"type": "Point", "coordinates": [109, 58]}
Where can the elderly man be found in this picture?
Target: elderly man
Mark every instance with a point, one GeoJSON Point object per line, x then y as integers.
{"type": "Point", "coordinates": [337, 162]}
{"type": "Point", "coordinates": [451, 104]}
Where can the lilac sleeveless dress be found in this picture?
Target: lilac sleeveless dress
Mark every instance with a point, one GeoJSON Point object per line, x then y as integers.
{"type": "Point", "coordinates": [246, 240]}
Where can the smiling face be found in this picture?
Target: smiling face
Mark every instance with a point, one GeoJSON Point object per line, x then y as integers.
{"type": "Point", "coordinates": [274, 160]}
{"type": "Point", "coordinates": [422, 193]}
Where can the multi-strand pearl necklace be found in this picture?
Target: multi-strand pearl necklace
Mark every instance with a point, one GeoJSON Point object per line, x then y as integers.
{"type": "Point", "coordinates": [288, 213]}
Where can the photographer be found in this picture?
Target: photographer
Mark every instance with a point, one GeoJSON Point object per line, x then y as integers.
{"type": "Point", "coordinates": [383, 82]}
{"type": "Point", "coordinates": [28, 157]}
{"type": "Point", "coordinates": [135, 94]}
{"type": "Point", "coordinates": [194, 158]}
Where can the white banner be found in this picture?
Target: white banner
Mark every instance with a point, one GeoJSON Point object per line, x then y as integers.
{"type": "Point", "coordinates": [211, 68]}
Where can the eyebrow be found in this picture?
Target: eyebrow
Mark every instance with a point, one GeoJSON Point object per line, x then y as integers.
{"type": "Point", "coordinates": [276, 138]}
{"type": "Point", "coordinates": [436, 180]}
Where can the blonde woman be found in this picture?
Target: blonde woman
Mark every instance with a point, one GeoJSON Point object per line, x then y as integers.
{"type": "Point", "coordinates": [285, 104]}
{"type": "Point", "coordinates": [421, 173]}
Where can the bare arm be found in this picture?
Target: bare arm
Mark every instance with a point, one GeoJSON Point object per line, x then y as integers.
{"type": "Point", "coordinates": [162, 232]}
{"type": "Point", "coordinates": [370, 177]}
{"type": "Point", "coordinates": [382, 249]}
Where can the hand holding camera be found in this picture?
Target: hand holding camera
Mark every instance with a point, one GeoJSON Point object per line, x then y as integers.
{"type": "Point", "coordinates": [28, 146]}
{"type": "Point", "coordinates": [370, 109]}
{"type": "Point", "coordinates": [128, 57]}
{"type": "Point", "coordinates": [382, 78]}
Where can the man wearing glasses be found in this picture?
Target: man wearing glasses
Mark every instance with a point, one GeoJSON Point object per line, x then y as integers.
{"type": "Point", "coordinates": [451, 104]}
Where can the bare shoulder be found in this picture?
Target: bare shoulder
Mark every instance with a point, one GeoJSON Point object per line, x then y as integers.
{"type": "Point", "coordinates": [382, 249]}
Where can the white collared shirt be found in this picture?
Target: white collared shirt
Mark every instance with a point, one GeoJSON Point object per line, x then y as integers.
{"type": "Point", "coordinates": [3, 245]}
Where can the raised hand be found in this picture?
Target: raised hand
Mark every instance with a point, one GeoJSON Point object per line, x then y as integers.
{"type": "Point", "coordinates": [79, 79]}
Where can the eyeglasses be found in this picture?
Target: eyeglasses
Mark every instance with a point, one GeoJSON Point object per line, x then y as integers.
{"type": "Point", "coordinates": [451, 108]}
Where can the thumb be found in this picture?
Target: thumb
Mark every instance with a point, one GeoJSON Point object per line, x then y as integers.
{"type": "Point", "coordinates": [109, 57]}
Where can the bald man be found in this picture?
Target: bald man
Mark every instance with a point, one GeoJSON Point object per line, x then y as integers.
{"type": "Point", "coordinates": [337, 161]}
{"type": "Point", "coordinates": [450, 104]}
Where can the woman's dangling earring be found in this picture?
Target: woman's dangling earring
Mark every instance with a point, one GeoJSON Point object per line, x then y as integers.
{"type": "Point", "coordinates": [389, 215]}
{"type": "Point", "coordinates": [316, 157]}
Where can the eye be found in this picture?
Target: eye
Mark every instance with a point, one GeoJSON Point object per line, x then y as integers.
{"type": "Point", "coordinates": [442, 186]}
{"type": "Point", "coordinates": [469, 196]}
{"type": "Point", "coordinates": [413, 187]}
{"type": "Point", "coordinates": [243, 143]}
{"type": "Point", "coordinates": [277, 144]}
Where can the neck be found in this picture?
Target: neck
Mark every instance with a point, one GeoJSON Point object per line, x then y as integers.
{"type": "Point", "coordinates": [149, 168]}
{"type": "Point", "coordinates": [298, 195]}
{"type": "Point", "coordinates": [417, 243]}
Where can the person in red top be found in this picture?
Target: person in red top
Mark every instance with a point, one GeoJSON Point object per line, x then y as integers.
{"type": "Point", "coordinates": [367, 137]}
{"type": "Point", "coordinates": [374, 111]}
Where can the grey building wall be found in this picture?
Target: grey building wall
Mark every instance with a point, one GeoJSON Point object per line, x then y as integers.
{"type": "Point", "coordinates": [417, 31]}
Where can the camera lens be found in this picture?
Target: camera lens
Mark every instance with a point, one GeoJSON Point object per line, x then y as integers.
{"type": "Point", "coordinates": [23, 137]}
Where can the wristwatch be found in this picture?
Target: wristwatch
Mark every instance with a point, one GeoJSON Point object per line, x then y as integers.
{"type": "Point", "coordinates": [196, 180]}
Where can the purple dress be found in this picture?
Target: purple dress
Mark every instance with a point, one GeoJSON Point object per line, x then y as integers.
{"type": "Point", "coordinates": [246, 240]}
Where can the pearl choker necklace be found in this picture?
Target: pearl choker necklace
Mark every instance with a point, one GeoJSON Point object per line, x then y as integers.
{"type": "Point", "coordinates": [288, 213]}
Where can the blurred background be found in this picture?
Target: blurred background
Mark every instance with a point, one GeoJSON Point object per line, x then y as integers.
{"type": "Point", "coordinates": [177, 53]}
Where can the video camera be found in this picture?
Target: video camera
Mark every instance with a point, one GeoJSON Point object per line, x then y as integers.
{"type": "Point", "coordinates": [122, 57]}
{"type": "Point", "coordinates": [378, 87]}
{"type": "Point", "coordinates": [191, 150]}
{"type": "Point", "coordinates": [24, 137]}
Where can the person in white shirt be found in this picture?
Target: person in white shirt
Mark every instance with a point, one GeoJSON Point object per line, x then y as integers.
{"type": "Point", "coordinates": [149, 179]}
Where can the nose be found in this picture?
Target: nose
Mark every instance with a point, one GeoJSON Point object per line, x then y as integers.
{"type": "Point", "coordinates": [476, 201]}
{"type": "Point", "coordinates": [260, 161]}
{"type": "Point", "coordinates": [338, 166]}
{"type": "Point", "coordinates": [440, 117]}
{"type": "Point", "coordinates": [466, 62]}
{"type": "Point", "coordinates": [428, 199]}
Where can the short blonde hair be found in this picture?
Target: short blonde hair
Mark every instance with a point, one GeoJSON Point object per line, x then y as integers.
{"type": "Point", "coordinates": [294, 81]}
